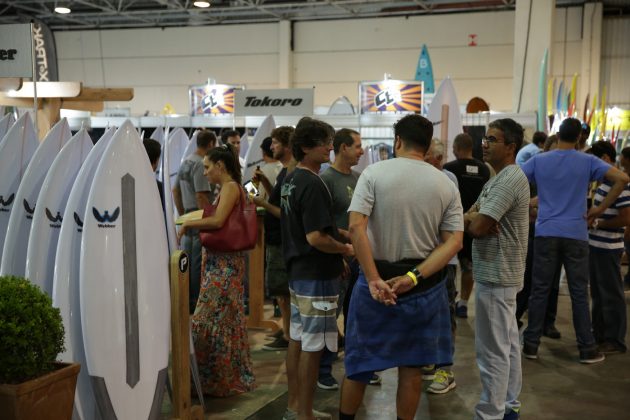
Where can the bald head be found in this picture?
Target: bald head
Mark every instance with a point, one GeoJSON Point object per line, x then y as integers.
{"type": "Point", "coordinates": [463, 146]}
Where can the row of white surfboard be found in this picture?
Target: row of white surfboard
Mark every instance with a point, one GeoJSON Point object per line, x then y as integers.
{"type": "Point", "coordinates": [84, 222]}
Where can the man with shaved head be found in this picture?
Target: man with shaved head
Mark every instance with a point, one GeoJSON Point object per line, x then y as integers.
{"type": "Point", "coordinates": [472, 174]}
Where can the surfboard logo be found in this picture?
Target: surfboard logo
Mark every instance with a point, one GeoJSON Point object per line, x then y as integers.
{"type": "Point", "coordinates": [106, 220]}
{"type": "Point", "coordinates": [387, 97]}
{"type": "Point", "coordinates": [78, 221]}
{"type": "Point", "coordinates": [6, 203]}
{"type": "Point", "coordinates": [29, 210]}
{"type": "Point", "coordinates": [56, 220]}
{"type": "Point", "coordinates": [183, 263]}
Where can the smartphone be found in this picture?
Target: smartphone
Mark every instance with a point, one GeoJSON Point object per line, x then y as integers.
{"type": "Point", "coordinates": [251, 188]}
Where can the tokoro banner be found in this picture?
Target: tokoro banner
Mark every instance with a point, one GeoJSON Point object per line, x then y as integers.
{"type": "Point", "coordinates": [45, 53]}
{"type": "Point", "coordinates": [253, 103]}
{"type": "Point", "coordinates": [16, 58]}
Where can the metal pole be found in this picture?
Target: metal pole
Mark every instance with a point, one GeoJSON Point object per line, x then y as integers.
{"type": "Point", "coordinates": [34, 81]}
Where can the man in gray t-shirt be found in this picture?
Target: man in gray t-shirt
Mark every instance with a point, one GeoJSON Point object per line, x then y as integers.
{"type": "Point", "coordinates": [407, 215]}
{"type": "Point", "coordinates": [499, 223]}
{"type": "Point", "coordinates": [340, 179]}
{"type": "Point", "coordinates": [191, 192]}
{"type": "Point", "coordinates": [341, 182]}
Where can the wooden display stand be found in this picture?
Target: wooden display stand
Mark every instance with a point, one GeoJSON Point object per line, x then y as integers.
{"type": "Point", "coordinates": [180, 330]}
{"type": "Point", "coordinates": [257, 283]}
{"type": "Point", "coordinates": [52, 96]}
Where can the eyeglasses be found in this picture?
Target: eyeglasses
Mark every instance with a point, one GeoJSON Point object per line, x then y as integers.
{"type": "Point", "coordinates": [488, 140]}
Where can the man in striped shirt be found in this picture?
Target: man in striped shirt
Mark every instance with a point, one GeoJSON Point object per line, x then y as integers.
{"type": "Point", "coordinates": [499, 223]}
{"type": "Point", "coordinates": [605, 240]}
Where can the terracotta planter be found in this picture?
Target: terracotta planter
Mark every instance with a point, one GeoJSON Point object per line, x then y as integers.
{"type": "Point", "coordinates": [48, 397]}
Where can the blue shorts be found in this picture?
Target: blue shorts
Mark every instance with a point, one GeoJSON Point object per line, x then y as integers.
{"type": "Point", "coordinates": [314, 313]}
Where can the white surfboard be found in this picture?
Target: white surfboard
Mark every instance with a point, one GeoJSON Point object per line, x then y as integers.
{"type": "Point", "coordinates": [51, 204]}
{"type": "Point", "coordinates": [124, 285]}
{"type": "Point", "coordinates": [254, 154]}
{"type": "Point", "coordinates": [16, 150]}
{"type": "Point", "coordinates": [341, 106]}
{"type": "Point", "coordinates": [66, 277]}
{"type": "Point", "coordinates": [244, 146]}
{"type": "Point", "coordinates": [5, 124]}
{"type": "Point", "coordinates": [445, 95]}
{"type": "Point", "coordinates": [192, 146]}
{"type": "Point", "coordinates": [177, 145]}
{"type": "Point", "coordinates": [16, 241]}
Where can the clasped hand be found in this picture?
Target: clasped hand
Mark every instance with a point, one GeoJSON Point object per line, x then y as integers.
{"type": "Point", "coordinates": [388, 291]}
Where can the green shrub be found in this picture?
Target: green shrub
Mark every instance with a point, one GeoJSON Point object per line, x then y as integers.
{"type": "Point", "coordinates": [31, 331]}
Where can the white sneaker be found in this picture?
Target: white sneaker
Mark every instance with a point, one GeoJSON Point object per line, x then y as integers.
{"type": "Point", "coordinates": [443, 382]}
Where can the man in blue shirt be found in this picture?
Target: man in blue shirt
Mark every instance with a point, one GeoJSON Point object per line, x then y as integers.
{"type": "Point", "coordinates": [532, 149]}
{"type": "Point", "coordinates": [562, 177]}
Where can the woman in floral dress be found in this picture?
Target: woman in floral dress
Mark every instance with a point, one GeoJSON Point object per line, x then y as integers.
{"type": "Point", "coordinates": [218, 325]}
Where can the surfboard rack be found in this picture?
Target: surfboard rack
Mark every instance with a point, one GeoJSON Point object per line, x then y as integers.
{"type": "Point", "coordinates": [180, 330]}
{"type": "Point", "coordinates": [256, 319]}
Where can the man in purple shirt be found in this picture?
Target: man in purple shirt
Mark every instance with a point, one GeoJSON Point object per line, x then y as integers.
{"type": "Point", "coordinates": [562, 177]}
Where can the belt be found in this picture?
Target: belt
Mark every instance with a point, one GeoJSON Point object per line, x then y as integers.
{"type": "Point", "coordinates": [388, 270]}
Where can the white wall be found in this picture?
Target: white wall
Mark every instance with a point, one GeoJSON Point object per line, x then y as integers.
{"type": "Point", "coordinates": [616, 60]}
{"type": "Point", "coordinates": [333, 56]}
{"type": "Point", "coordinates": [161, 64]}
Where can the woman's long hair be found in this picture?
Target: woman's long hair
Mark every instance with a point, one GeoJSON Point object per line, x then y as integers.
{"type": "Point", "coordinates": [226, 154]}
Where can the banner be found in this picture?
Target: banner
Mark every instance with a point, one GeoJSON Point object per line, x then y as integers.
{"type": "Point", "coordinates": [390, 96]}
{"type": "Point", "coordinates": [45, 53]}
{"type": "Point", "coordinates": [276, 102]}
{"type": "Point", "coordinates": [212, 99]}
{"type": "Point", "coordinates": [16, 55]}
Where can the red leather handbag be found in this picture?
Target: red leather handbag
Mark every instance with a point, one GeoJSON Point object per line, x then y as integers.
{"type": "Point", "coordinates": [239, 232]}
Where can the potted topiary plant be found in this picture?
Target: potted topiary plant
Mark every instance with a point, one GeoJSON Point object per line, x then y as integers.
{"type": "Point", "coordinates": [32, 384]}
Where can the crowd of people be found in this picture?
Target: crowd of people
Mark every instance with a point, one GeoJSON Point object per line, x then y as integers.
{"type": "Point", "coordinates": [383, 248]}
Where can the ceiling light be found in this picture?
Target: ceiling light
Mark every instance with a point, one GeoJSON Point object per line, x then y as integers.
{"type": "Point", "coordinates": [202, 4]}
{"type": "Point", "coordinates": [62, 10]}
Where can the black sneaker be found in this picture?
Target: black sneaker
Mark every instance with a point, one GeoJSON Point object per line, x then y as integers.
{"type": "Point", "coordinates": [610, 348]}
{"type": "Point", "coordinates": [278, 344]}
{"type": "Point", "coordinates": [591, 357]}
{"type": "Point", "coordinates": [552, 332]}
{"type": "Point", "coordinates": [275, 335]}
{"type": "Point", "coordinates": [461, 310]}
{"type": "Point", "coordinates": [512, 415]}
{"type": "Point", "coordinates": [375, 379]}
{"type": "Point", "coordinates": [530, 352]}
{"type": "Point", "coordinates": [428, 372]}
{"type": "Point", "coordinates": [328, 383]}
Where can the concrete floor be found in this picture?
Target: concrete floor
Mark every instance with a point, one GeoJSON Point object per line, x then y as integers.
{"type": "Point", "coordinates": [555, 386]}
